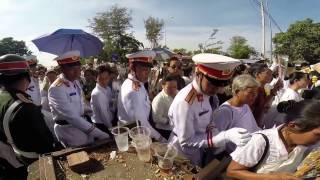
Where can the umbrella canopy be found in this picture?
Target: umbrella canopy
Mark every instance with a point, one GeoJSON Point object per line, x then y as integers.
{"type": "Point", "coordinates": [163, 54]}
{"type": "Point", "coordinates": [63, 40]}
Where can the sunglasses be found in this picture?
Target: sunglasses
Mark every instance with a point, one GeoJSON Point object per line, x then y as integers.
{"type": "Point", "coordinates": [218, 83]}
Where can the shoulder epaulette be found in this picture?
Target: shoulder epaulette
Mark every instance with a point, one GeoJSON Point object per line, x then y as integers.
{"type": "Point", "coordinates": [58, 82]}
{"type": "Point", "coordinates": [135, 85]}
{"type": "Point", "coordinates": [22, 98]}
{"type": "Point", "coordinates": [191, 96]}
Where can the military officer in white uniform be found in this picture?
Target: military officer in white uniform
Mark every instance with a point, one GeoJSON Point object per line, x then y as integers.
{"type": "Point", "coordinates": [34, 87]}
{"type": "Point", "coordinates": [67, 105]}
{"type": "Point", "coordinates": [133, 100]}
{"type": "Point", "coordinates": [191, 113]}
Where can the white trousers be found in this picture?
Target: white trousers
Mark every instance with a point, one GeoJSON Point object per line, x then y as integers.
{"type": "Point", "coordinates": [70, 136]}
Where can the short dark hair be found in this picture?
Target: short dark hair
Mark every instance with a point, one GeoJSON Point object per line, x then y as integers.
{"type": "Point", "coordinates": [257, 68]}
{"type": "Point", "coordinates": [173, 58]}
{"type": "Point", "coordinates": [89, 70]}
{"type": "Point", "coordinates": [103, 68]}
{"type": "Point", "coordinates": [305, 114]}
{"type": "Point", "coordinates": [169, 78]}
{"type": "Point", "coordinates": [8, 80]}
{"type": "Point", "coordinates": [295, 76]}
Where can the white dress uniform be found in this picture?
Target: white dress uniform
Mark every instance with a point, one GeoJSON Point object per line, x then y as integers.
{"type": "Point", "coordinates": [191, 117]}
{"type": "Point", "coordinates": [67, 106]}
{"type": "Point", "coordinates": [34, 87]}
{"type": "Point", "coordinates": [191, 113]}
{"type": "Point", "coordinates": [134, 104]}
{"type": "Point", "coordinates": [133, 99]}
{"type": "Point", "coordinates": [101, 105]}
{"type": "Point", "coordinates": [277, 159]}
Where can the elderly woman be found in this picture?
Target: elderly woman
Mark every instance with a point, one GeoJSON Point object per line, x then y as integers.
{"type": "Point", "coordinates": [236, 111]}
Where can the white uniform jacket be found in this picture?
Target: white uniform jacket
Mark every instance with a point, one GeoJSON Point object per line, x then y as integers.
{"type": "Point", "coordinates": [66, 104]}
{"type": "Point", "coordinates": [134, 104]}
{"type": "Point", "coordinates": [191, 118]}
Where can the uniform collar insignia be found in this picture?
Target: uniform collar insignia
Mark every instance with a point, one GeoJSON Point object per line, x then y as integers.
{"type": "Point", "coordinates": [136, 85]}
{"type": "Point", "coordinates": [23, 98]}
{"type": "Point", "coordinates": [200, 97]}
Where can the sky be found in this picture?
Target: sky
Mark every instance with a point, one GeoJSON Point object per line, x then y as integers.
{"type": "Point", "coordinates": [187, 22]}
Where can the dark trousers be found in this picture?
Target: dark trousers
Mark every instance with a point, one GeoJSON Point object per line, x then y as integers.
{"type": "Point", "coordinates": [164, 133]}
{"type": "Point", "coordinates": [7, 172]}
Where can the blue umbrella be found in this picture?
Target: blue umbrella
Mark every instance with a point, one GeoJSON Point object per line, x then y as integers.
{"type": "Point", "coordinates": [63, 40]}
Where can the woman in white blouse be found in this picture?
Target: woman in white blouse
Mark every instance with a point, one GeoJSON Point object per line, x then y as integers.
{"type": "Point", "coordinates": [297, 81]}
{"type": "Point", "coordinates": [275, 153]}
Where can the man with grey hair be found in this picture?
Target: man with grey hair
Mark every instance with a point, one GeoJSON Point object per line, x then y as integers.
{"type": "Point", "coordinates": [236, 111]}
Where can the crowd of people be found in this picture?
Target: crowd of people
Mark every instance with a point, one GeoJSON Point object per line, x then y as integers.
{"type": "Point", "coordinates": [265, 118]}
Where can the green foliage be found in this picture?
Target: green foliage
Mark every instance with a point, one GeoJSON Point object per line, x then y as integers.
{"type": "Point", "coordinates": [300, 42]}
{"type": "Point", "coordinates": [183, 51]}
{"type": "Point", "coordinates": [112, 27]}
{"type": "Point", "coordinates": [10, 46]}
{"type": "Point", "coordinates": [239, 49]}
{"type": "Point", "coordinates": [153, 30]}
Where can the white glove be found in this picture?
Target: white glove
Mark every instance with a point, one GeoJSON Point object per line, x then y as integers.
{"type": "Point", "coordinates": [98, 134]}
{"type": "Point", "coordinates": [238, 136]}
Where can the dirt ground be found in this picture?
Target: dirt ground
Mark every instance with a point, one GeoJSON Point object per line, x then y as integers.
{"type": "Point", "coordinates": [125, 166]}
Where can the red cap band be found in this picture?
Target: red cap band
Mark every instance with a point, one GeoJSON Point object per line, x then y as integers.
{"type": "Point", "coordinates": [15, 65]}
{"type": "Point", "coordinates": [140, 59]}
{"type": "Point", "coordinates": [214, 73]}
{"type": "Point", "coordinates": [68, 60]}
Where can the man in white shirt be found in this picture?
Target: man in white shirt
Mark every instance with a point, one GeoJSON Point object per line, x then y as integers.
{"type": "Point", "coordinates": [133, 100]}
{"type": "Point", "coordinates": [161, 104]}
{"type": "Point", "coordinates": [101, 97]}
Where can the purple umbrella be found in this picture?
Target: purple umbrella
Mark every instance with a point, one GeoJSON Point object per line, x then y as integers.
{"type": "Point", "coordinates": [63, 40]}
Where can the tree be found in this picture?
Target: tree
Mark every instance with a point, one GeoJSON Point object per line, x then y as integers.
{"type": "Point", "coordinates": [239, 49]}
{"type": "Point", "coordinates": [183, 51]}
{"type": "Point", "coordinates": [300, 42]}
{"type": "Point", "coordinates": [153, 30]}
{"type": "Point", "coordinates": [211, 45]}
{"type": "Point", "coordinates": [10, 46]}
{"type": "Point", "coordinates": [113, 26]}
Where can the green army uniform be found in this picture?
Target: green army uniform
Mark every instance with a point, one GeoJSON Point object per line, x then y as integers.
{"type": "Point", "coordinates": [24, 134]}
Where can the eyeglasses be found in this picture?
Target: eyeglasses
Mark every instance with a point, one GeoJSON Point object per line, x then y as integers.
{"type": "Point", "coordinates": [218, 83]}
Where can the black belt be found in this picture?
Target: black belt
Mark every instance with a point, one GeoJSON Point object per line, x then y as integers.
{"type": "Point", "coordinates": [62, 122]}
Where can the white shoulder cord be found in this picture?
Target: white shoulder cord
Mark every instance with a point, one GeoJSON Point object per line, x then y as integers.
{"type": "Point", "coordinates": [6, 119]}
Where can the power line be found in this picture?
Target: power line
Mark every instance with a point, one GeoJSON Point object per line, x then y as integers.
{"type": "Point", "coordinates": [269, 15]}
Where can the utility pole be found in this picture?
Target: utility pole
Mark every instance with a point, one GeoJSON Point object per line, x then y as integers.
{"type": "Point", "coordinates": [263, 50]}
{"type": "Point", "coordinates": [270, 27]}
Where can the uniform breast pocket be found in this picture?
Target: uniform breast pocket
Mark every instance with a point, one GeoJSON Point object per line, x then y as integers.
{"type": "Point", "coordinates": [204, 118]}
{"type": "Point", "coordinates": [73, 97]}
